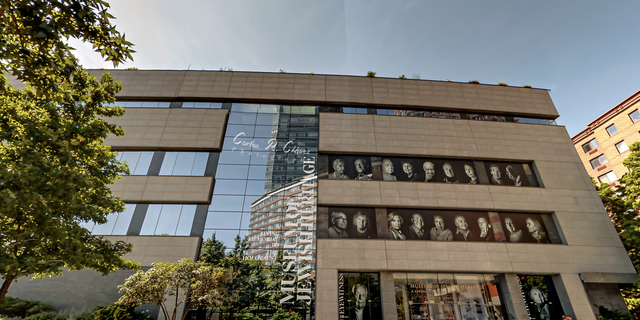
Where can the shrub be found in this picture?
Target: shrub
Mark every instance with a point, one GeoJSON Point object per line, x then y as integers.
{"type": "Point", "coordinates": [286, 315]}
{"type": "Point", "coordinates": [16, 307]}
{"type": "Point", "coordinates": [247, 315]}
{"type": "Point", "coordinates": [371, 74]}
{"type": "Point", "coordinates": [503, 84]}
{"type": "Point", "coordinates": [474, 81]}
{"type": "Point", "coordinates": [527, 86]}
{"type": "Point", "coordinates": [117, 311]}
{"type": "Point", "coordinates": [402, 77]}
{"type": "Point", "coordinates": [51, 315]}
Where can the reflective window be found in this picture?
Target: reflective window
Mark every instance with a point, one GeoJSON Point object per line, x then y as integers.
{"type": "Point", "coordinates": [184, 164]}
{"type": "Point", "coordinates": [202, 105]}
{"type": "Point", "coordinates": [117, 223]}
{"type": "Point", "coordinates": [168, 219]}
{"type": "Point", "coordinates": [635, 116]}
{"type": "Point", "coordinates": [622, 147]}
{"type": "Point", "coordinates": [598, 161]}
{"type": "Point", "coordinates": [608, 177]}
{"type": "Point", "coordinates": [437, 114]}
{"type": "Point", "coordinates": [138, 161]}
{"type": "Point", "coordinates": [142, 104]}
{"type": "Point", "coordinates": [263, 150]}
{"type": "Point", "coordinates": [612, 130]}
{"type": "Point", "coordinates": [592, 144]}
{"type": "Point", "coordinates": [166, 104]}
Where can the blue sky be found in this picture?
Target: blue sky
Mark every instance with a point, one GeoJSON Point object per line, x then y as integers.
{"type": "Point", "coordinates": [587, 53]}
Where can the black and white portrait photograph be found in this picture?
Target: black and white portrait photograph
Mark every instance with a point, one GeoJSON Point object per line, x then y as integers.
{"type": "Point", "coordinates": [463, 232]}
{"type": "Point", "coordinates": [439, 225]}
{"type": "Point", "coordinates": [338, 225]}
{"type": "Point", "coordinates": [416, 229]}
{"type": "Point", "coordinates": [363, 168]}
{"type": "Point", "coordinates": [337, 168]}
{"type": "Point", "coordinates": [541, 297]}
{"type": "Point", "coordinates": [359, 296]}
{"type": "Point", "coordinates": [429, 169]}
{"type": "Point", "coordinates": [395, 226]}
{"type": "Point", "coordinates": [439, 231]}
{"type": "Point", "coordinates": [471, 174]}
{"type": "Point", "coordinates": [536, 231]}
{"type": "Point", "coordinates": [522, 227]}
{"type": "Point", "coordinates": [409, 171]}
{"type": "Point", "coordinates": [353, 223]}
{"type": "Point", "coordinates": [389, 166]}
{"type": "Point", "coordinates": [343, 167]}
{"type": "Point", "coordinates": [507, 174]}
{"type": "Point", "coordinates": [486, 232]}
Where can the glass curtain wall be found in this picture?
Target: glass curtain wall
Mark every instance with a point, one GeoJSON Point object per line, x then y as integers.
{"type": "Point", "coordinates": [263, 151]}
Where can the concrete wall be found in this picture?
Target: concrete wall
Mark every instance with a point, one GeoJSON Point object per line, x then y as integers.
{"type": "Point", "coordinates": [178, 129]}
{"type": "Point", "coordinates": [592, 243]}
{"type": "Point", "coordinates": [164, 189]}
{"type": "Point", "coordinates": [606, 295]}
{"type": "Point", "coordinates": [303, 88]}
{"type": "Point", "coordinates": [87, 288]}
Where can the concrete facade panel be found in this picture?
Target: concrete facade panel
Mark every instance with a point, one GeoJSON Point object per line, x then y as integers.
{"type": "Point", "coordinates": [178, 129]}
{"type": "Point", "coordinates": [164, 189]}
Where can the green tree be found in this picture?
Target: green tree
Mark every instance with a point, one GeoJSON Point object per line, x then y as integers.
{"type": "Point", "coordinates": [54, 167]}
{"type": "Point", "coordinates": [623, 204]}
{"type": "Point", "coordinates": [242, 292]}
{"type": "Point", "coordinates": [204, 283]}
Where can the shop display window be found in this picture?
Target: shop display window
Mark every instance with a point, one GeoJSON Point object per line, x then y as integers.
{"type": "Point", "coordinates": [447, 296]}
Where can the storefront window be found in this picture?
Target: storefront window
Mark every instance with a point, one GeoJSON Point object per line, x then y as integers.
{"type": "Point", "coordinates": [447, 296]}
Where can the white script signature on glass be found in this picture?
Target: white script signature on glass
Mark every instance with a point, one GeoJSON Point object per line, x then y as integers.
{"type": "Point", "coordinates": [289, 147]}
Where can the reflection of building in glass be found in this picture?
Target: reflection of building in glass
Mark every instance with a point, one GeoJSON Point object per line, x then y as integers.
{"type": "Point", "coordinates": [426, 114]}
{"type": "Point", "coordinates": [269, 217]}
{"type": "Point", "coordinates": [295, 129]}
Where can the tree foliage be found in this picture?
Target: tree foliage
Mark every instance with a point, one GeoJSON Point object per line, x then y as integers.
{"type": "Point", "coordinates": [256, 284]}
{"type": "Point", "coordinates": [204, 283]}
{"type": "Point", "coordinates": [54, 167]}
{"type": "Point", "coordinates": [623, 205]}
{"type": "Point", "coordinates": [242, 291]}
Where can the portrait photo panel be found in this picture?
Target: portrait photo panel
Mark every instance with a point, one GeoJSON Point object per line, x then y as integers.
{"type": "Point", "coordinates": [359, 296]}
{"type": "Point", "coordinates": [351, 223]}
{"type": "Point", "coordinates": [509, 174]}
{"type": "Point", "coordinates": [344, 167]}
{"type": "Point", "coordinates": [432, 170]}
{"type": "Point", "coordinates": [541, 297]}
{"type": "Point", "coordinates": [525, 228]}
{"type": "Point", "coordinates": [437, 225]}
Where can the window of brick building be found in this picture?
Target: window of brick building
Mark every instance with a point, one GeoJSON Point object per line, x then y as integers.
{"type": "Point", "coordinates": [608, 177]}
{"type": "Point", "coordinates": [612, 129]}
{"type": "Point", "coordinates": [600, 160]}
{"type": "Point", "coordinates": [622, 146]}
{"type": "Point", "coordinates": [635, 116]}
{"type": "Point", "coordinates": [592, 144]}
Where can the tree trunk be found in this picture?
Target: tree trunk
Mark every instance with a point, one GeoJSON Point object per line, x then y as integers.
{"type": "Point", "coordinates": [5, 288]}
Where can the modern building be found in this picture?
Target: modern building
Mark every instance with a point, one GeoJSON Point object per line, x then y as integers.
{"type": "Point", "coordinates": [604, 144]}
{"type": "Point", "coordinates": [408, 199]}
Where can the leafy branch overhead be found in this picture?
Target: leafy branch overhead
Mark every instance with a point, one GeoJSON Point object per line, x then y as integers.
{"type": "Point", "coordinates": [55, 170]}
{"type": "Point", "coordinates": [35, 33]}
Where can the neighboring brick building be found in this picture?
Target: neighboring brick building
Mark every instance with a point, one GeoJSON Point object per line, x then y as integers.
{"type": "Point", "coordinates": [603, 145]}
{"type": "Point", "coordinates": [500, 219]}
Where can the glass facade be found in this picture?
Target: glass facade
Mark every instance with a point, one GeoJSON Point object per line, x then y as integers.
{"type": "Point", "coordinates": [267, 164]}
